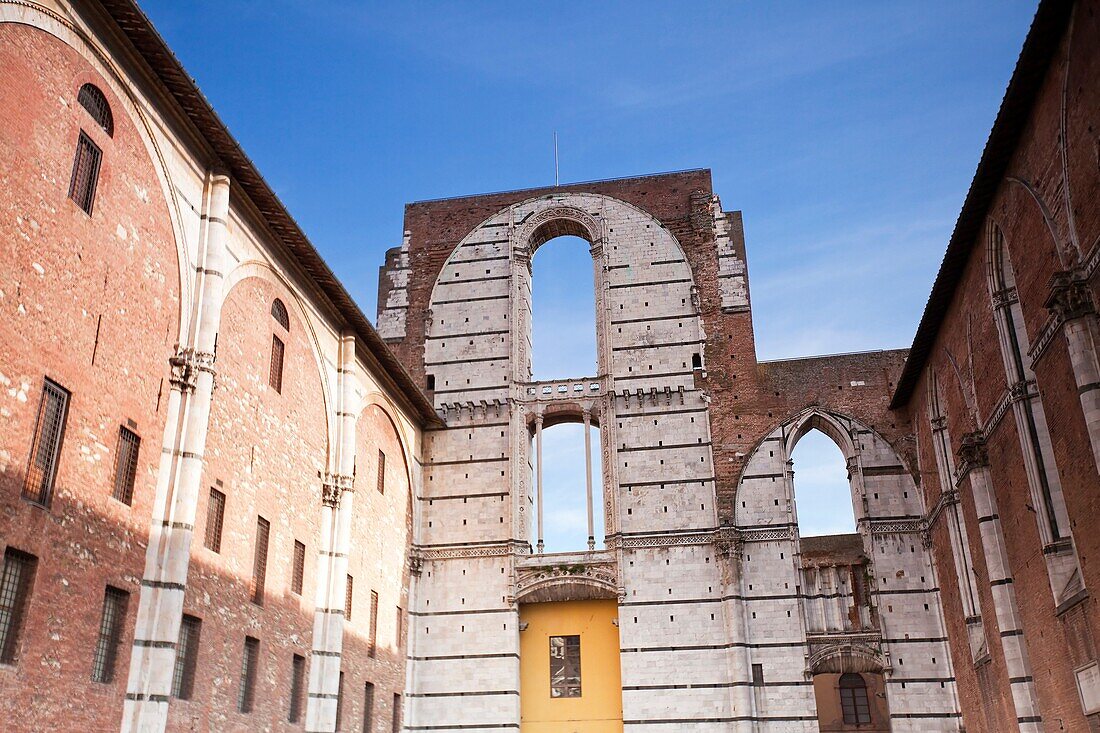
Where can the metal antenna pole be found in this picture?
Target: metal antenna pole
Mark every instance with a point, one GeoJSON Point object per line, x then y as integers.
{"type": "Point", "coordinates": [556, 180]}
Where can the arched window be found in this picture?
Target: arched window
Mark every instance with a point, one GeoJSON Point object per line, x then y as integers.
{"type": "Point", "coordinates": [278, 312]}
{"type": "Point", "coordinates": [822, 491]}
{"type": "Point", "coordinates": [565, 508]}
{"type": "Point", "coordinates": [853, 699]}
{"type": "Point", "coordinates": [278, 347]}
{"type": "Point", "coordinates": [93, 100]}
{"type": "Point", "coordinates": [563, 310]}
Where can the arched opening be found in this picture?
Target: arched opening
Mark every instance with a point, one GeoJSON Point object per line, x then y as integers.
{"type": "Point", "coordinates": [565, 508]}
{"type": "Point", "coordinates": [563, 310]}
{"type": "Point", "coordinates": [822, 491]}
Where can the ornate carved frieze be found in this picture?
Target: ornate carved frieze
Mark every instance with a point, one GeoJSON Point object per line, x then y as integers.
{"type": "Point", "coordinates": [572, 576]}
{"type": "Point", "coordinates": [186, 365]}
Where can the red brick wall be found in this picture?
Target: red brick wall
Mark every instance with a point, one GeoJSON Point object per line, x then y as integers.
{"type": "Point", "coordinates": [91, 277]}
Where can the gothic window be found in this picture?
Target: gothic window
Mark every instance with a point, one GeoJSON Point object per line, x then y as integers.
{"type": "Point", "coordinates": [49, 432]}
{"type": "Point", "coordinates": [93, 100]}
{"type": "Point", "coordinates": [563, 310]}
{"type": "Point", "coordinates": [822, 491]}
{"type": "Point", "coordinates": [278, 345]}
{"type": "Point", "coordinates": [853, 699]}
{"type": "Point", "coordinates": [279, 313]}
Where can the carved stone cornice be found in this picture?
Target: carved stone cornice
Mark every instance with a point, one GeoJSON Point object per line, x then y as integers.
{"type": "Point", "coordinates": [186, 365]}
{"type": "Point", "coordinates": [1069, 297]}
{"type": "Point", "coordinates": [333, 485]}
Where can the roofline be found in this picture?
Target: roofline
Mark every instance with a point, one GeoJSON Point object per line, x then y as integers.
{"type": "Point", "coordinates": [1043, 39]}
{"type": "Point", "coordinates": [562, 185]}
{"type": "Point", "coordinates": [151, 47]}
{"type": "Point", "coordinates": [865, 352]}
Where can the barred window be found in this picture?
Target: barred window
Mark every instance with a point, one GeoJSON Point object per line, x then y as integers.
{"type": "Point", "coordinates": [340, 702]}
{"type": "Point", "coordinates": [853, 699]}
{"type": "Point", "coordinates": [372, 639]}
{"type": "Point", "coordinates": [246, 693]}
{"type": "Point", "coordinates": [85, 177]}
{"type": "Point", "coordinates": [187, 658]}
{"type": "Point", "coordinates": [565, 666]}
{"type": "Point", "coordinates": [126, 464]}
{"type": "Point", "coordinates": [349, 591]}
{"type": "Point", "coordinates": [259, 560]}
{"type": "Point", "coordinates": [110, 634]}
{"type": "Point", "coordinates": [49, 432]}
{"type": "Point", "coordinates": [275, 375]}
{"type": "Point", "coordinates": [278, 312]}
{"type": "Point", "coordinates": [297, 687]}
{"type": "Point", "coordinates": [15, 593]}
{"type": "Point", "coordinates": [298, 574]}
{"type": "Point", "coordinates": [381, 472]}
{"type": "Point", "coordinates": [215, 517]}
{"type": "Point", "coordinates": [368, 707]}
{"type": "Point", "coordinates": [396, 713]}
{"type": "Point", "coordinates": [94, 101]}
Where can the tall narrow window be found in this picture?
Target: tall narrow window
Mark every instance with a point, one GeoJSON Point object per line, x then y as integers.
{"type": "Point", "coordinates": [372, 639]}
{"type": "Point", "coordinates": [187, 658]}
{"type": "Point", "coordinates": [246, 693]}
{"type": "Point", "coordinates": [126, 464]}
{"type": "Point", "coordinates": [298, 574]}
{"type": "Point", "coordinates": [400, 626]}
{"type": "Point", "coordinates": [822, 491]}
{"type": "Point", "coordinates": [853, 699]}
{"type": "Point", "coordinates": [396, 713]}
{"type": "Point", "coordinates": [85, 177]}
{"type": "Point", "coordinates": [92, 99]}
{"type": "Point", "coordinates": [340, 702]}
{"type": "Point", "coordinates": [368, 707]}
{"type": "Point", "coordinates": [349, 591]}
{"type": "Point", "coordinates": [259, 560]}
{"type": "Point", "coordinates": [563, 308]}
{"type": "Point", "coordinates": [565, 666]}
{"type": "Point", "coordinates": [275, 376]}
{"type": "Point", "coordinates": [110, 634]}
{"type": "Point", "coordinates": [215, 516]}
{"type": "Point", "coordinates": [49, 433]}
{"type": "Point", "coordinates": [297, 687]}
{"type": "Point", "coordinates": [381, 472]}
{"type": "Point", "coordinates": [15, 592]}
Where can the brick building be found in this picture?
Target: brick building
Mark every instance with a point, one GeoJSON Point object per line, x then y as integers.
{"type": "Point", "coordinates": [326, 541]}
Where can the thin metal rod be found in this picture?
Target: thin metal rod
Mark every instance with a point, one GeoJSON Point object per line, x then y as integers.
{"type": "Point", "coordinates": [538, 453]}
{"type": "Point", "coordinates": [588, 475]}
{"type": "Point", "coordinates": [556, 179]}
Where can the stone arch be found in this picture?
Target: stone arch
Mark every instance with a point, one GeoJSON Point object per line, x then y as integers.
{"type": "Point", "coordinates": [386, 406]}
{"type": "Point", "coordinates": [111, 77]}
{"type": "Point", "coordinates": [842, 657]}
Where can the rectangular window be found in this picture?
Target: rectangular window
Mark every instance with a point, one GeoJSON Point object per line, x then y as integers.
{"type": "Point", "coordinates": [565, 666]}
{"type": "Point", "coordinates": [368, 707]}
{"type": "Point", "coordinates": [247, 692]}
{"type": "Point", "coordinates": [349, 588]}
{"type": "Point", "coordinates": [372, 639]}
{"type": "Point", "coordinates": [396, 713]}
{"type": "Point", "coordinates": [49, 432]}
{"type": "Point", "coordinates": [85, 172]}
{"type": "Point", "coordinates": [381, 472]}
{"type": "Point", "coordinates": [110, 634]}
{"type": "Point", "coordinates": [758, 674]}
{"type": "Point", "coordinates": [297, 686]}
{"type": "Point", "coordinates": [298, 574]}
{"type": "Point", "coordinates": [215, 516]}
{"type": "Point", "coordinates": [275, 376]}
{"type": "Point", "coordinates": [187, 658]}
{"type": "Point", "coordinates": [259, 560]}
{"type": "Point", "coordinates": [15, 593]}
{"type": "Point", "coordinates": [340, 702]}
{"type": "Point", "coordinates": [400, 626]}
{"type": "Point", "coordinates": [126, 464]}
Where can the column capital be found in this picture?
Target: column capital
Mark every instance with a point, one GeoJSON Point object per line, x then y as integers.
{"type": "Point", "coordinates": [333, 485]}
{"type": "Point", "coordinates": [1070, 296]}
{"type": "Point", "coordinates": [538, 419]}
{"type": "Point", "coordinates": [186, 365]}
{"type": "Point", "coordinates": [972, 453]}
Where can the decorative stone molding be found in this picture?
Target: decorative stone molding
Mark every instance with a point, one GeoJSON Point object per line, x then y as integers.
{"type": "Point", "coordinates": [972, 454]}
{"type": "Point", "coordinates": [186, 365]}
{"type": "Point", "coordinates": [333, 485]}
{"type": "Point", "coordinates": [895, 526]}
{"type": "Point", "coordinates": [1069, 296]}
{"type": "Point", "coordinates": [566, 577]}
{"type": "Point", "coordinates": [570, 213]}
{"type": "Point", "coordinates": [499, 549]}
{"type": "Point", "coordinates": [845, 652]}
{"type": "Point", "coordinates": [767, 534]}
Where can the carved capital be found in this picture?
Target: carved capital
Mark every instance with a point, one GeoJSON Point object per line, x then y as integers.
{"type": "Point", "coordinates": [186, 365]}
{"type": "Point", "coordinates": [1069, 296]}
{"type": "Point", "coordinates": [416, 563]}
{"type": "Point", "coordinates": [939, 422]}
{"type": "Point", "coordinates": [972, 453]}
{"type": "Point", "coordinates": [727, 542]}
{"type": "Point", "coordinates": [333, 485]}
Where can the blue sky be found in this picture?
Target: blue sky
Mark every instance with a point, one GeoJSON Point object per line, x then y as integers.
{"type": "Point", "coordinates": [846, 132]}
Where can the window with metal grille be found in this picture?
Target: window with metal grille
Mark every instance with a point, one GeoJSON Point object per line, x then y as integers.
{"type": "Point", "coordinates": [349, 591]}
{"type": "Point", "coordinates": [297, 686]}
{"type": "Point", "coordinates": [275, 376]}
{"type": "Point", "coordinates": [368, 707]}
{"type": "Point", "coordinates": [110, 634]}
{"type": "Point", "coordinates": [187, 658]}
{"type": "Point", "coordinates": [246, 693]}
{"type": "Point", "coordinates": [15, 593]}
{"type": "Point", "coordinates": [340, 702]}
{"type": "Point", "coordinates": [126, 464]}
{"type": "Point", "coordinates": [85, 178]}
{"type": "Point", "coordinates": [565, 666]}
{"type": "Point", "coordinates": [381, 472]}
{"type": "Point", "coordinates": [215, 516]}
{"type": "Point", "coordinates": [853, 699]}
{"type": "Point", "coordinates": [372, 639]}
{"type": "Point", "coordinates": [95, 102]}
{"type": "Point", "coordinates": [49, 432]}
{"type": "Point", "coordinates": [259, 560]}
{"type": "Point", "coordinates": [396, 713]}
{"type": "Point", "coordinates": [278, 312]}
{"type": "Point", "coordinates": [299, 572]}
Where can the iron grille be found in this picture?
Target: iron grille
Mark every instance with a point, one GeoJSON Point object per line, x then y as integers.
{"type": "Point", "coordinates": [247, 692]}
{"type": "Point", "coordinates": [110, 633]}
{"type": "Point", "coordinates": [275, 376]}
{"type": "Point", "coordinates": [278, 312]}
{"type": "Point", "coordinates": [85, 172]}
{"type": "Point", "coordinates": [396, 727]}
{"type": "Point", "coordinates": [372, 640]}
{"type": "Point", "coordinates": [215, 517]}
{"type": "Point", "coordinates": [259, 561]}
{"type": "Point", "coordinates": [368, 706]}
{"type": "Point", "coordinates": [49, 432]}
{"type": "Point", "coordinates": [565, 666]}
{"type": "Point", "coordinates": [187, 657]}
{"type": "Point", "coordinates": [126, 464]}
{"type": "Point", "coordinates": [340, 702]}
{"type": "Point", "coordinates": [299, 571]}
{"type": "Point", "coordinates": [15, 591]}
{"type": "Point", "coordinates": [297, 684]}
{"type": "Point", "coordinates": [381, 472]}
{"type": "Point", "coordinates": [93, 100]}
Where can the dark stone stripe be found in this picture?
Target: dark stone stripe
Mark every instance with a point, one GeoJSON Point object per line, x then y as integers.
{"type": "Point", "coordinates": [484, 693]}
{"type": "Point", "coordinates": [163, 585]}
{"type": "Point", "coordinates": [649, 284]}
{"type": "Point", "coordinates": [465, 335]}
